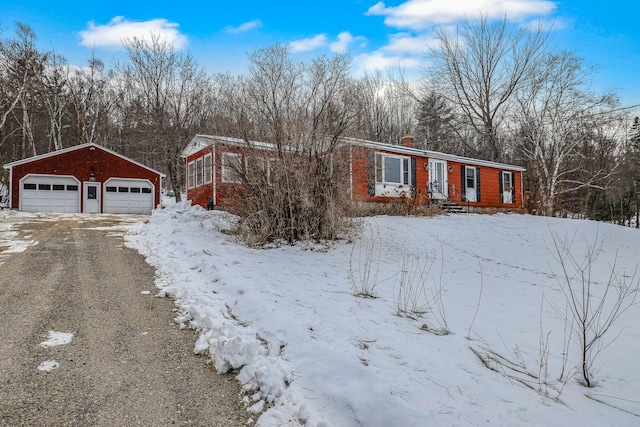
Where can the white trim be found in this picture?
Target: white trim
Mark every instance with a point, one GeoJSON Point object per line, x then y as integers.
{"type": "Point", "coordinates": [399, 149]}
{"type": "Point", "coordinates": [204, 168]}
{"type": "Point", "coordinates": [521, 188]}
{"type": "Point", "coordinates": [444, 186]}
{"type": "Point", "coordinates": [85, 185]}
{"type": "Point", "coordinates": [154, 202]}
{"type": "Point", "coordinates": [199, 171]}
{"type": "Point", "coordinates": [386, 188]}
{"type": "Point", "coordinates": [29, 175]}
{"type": "Point", "coordinates": [215, 176]}
{"type": "Point", "coordinates": [191, 175]}
{"type": "Point", "coordinates": [238, 156]}
{"type": "Point", "coordinates": [90, 145]}
{"type": "Point", "coordinates": [476, 174]}
{"type": "Point", "coordinates": [351, 172]}
{"type": "Point", "coordinates": [200, 141]}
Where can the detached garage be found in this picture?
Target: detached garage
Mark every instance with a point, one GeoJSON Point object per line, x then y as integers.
{"type": "Point", "coordinates": [86, 178]}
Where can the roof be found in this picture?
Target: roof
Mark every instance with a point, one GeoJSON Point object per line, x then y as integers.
{"type": "Point", "coordinates": [8, 166]}
{"type": "Point", "coordinates": [430, 154]}
{"type": "Point", "coordinates": [201, 141]}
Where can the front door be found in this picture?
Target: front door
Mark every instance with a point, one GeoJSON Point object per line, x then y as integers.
{"type": "Point", "coordinates": [91, 197]}
{"type": "Point", "coordinates": [438, 179]}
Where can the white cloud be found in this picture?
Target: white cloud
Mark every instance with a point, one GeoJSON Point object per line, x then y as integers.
{"type": "Point", "coordinates": [345, 39]}
{"type": "Point", "coordinates": [120, 29]}
{"type": "Point", "coordinates": [406, 43]}
{"type": "Point", "coordinates": [309, 43]}
{"type": "Point", "coordinates": [245, 27]}
{"type": "Point", "coordinates": [380, 60]}
{"type": "Point", "coordinates": [421, 14]}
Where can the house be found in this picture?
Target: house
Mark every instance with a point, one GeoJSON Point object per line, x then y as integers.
{"type": "Point", "coordinates": [379, 173]}
{"type": "Point", "coordinates": [385, 172]}
{"type": "Point", "coordinates": [84, 178]}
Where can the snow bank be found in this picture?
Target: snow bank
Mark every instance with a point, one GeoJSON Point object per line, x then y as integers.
{"type": "Point", "coordinates": [308, 352]}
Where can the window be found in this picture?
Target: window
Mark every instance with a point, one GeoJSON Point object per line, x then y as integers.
{"type": "Point", "coordinates": [146, 190]}
{"type": "Point", "coordinates": [199, 171]}
{"type": "Point", "coordinates": [92, 192]}
{"type": "Point", "coordinates": [46, 187]}
{"type": "Point", "coordinates": [135, 189]}
{"type": "Point", "coordinates": [393, 169]}
{"type": "Point", "coordinates": [29, 186]}
{"type": "Point", "coordinates": [72, 188]}
{"type": "Point", "coordinates": [506, 187]}
{"type": "Point", "coordinates": [123, 189]}
{"type": "Point", "coordinates": [470, 180]}
{"type": "Point", "coordinates": [111, 189]}
{"type": "Point", "coordinates": [231, 165]}
{"type": "Point", "coordinates": [58, 187]}
{"type": "Point", "coordinates": [208, 168]}
{"type": "Point", "coordinates": [471, 177]}
{"type": "Point", "coordinates": [191, 168]}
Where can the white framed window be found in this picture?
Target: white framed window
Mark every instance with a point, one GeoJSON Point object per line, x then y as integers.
{"type": "Point", "coordinates": [199, 171]}
{"type": "Point", "coordinates": [191, 168]}
{"type": "Point", "coordinates": [392, 175]}
{"type": "Point", "coordinates": [393, 169]}
{"type": "Point", "coordinates": [231, 164]}
{"type": "Point", "coordinates": [208, 168]}
{"type": "Point", "coordinates": [507, 187]}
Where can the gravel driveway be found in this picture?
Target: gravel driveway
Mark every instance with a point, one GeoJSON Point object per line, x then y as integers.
{"type": "Point", "coordinates": [127, 363]}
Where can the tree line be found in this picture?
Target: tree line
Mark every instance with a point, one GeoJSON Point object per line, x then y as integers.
{"type": "Point", "coordinates": [490, 90]}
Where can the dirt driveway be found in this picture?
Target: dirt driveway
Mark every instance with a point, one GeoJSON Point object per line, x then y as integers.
{"type": "Point", "coordinates": [126, 364]}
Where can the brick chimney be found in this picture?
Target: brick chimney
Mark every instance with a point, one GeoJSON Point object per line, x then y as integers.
{"type": "Point", "coordinates": [408, 141]}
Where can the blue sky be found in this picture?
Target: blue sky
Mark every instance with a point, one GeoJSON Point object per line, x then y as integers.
{"type": "Point", "coordinates": [379, 35]}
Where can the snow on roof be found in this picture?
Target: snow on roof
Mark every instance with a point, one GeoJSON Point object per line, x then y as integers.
{"type": "Point", "coordinates": [201, 141]}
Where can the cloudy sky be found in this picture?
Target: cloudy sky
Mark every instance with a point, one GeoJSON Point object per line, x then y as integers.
{"type": "Point", "coordinates": [379, 35]}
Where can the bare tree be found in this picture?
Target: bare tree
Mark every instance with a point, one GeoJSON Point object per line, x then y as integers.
{"type": "Point", "coordinates": [169, 90]}
{"type": "Point", "coordinates": [557, 116]}
{"type": "Point", "coordinates": [296, 190]}
{"type": "Point", "coordinates": [594, 306]}
{"type": "Point", "coordinates": [55, 97]}
{"type": "Point", "coordinates": [25, 67]}
{"type": "Point", "coordinates": [387, 104]}
{"type": "Point", "coordinates": [12, 86]}
{"type": "Point", "coordinates": [479, 68]}
{"type": "Point", "coordinates": [92, 98]}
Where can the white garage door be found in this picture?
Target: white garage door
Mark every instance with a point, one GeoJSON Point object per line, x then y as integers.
{"type": "Point", "coordinates": [47, 193]}
{"type": "Point", "coordinates": [128, 196]}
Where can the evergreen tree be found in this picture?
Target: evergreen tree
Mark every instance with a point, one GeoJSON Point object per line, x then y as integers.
{"type": "Point", "coordinates": [435, 127]}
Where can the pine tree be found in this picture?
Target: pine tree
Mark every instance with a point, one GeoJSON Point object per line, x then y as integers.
{"type": "Point", "coordinates": [435, 129]}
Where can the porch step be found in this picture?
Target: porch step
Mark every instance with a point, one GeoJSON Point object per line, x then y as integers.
{"type": "Point", "coordinates": [451, 207]}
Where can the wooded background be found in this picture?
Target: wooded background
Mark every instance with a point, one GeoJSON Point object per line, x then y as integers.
{"type": "Point", "coordinates": [490, 90]}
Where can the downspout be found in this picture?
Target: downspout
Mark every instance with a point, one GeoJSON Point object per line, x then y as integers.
{"type": "Point", "coordinates": [521, 190]}
{"type": "Point", "coordinates": [351, 172]}
{"type": "Point", "coordinates": [214, 167]}
{"type": "Point", "coordinates": [186, 177]}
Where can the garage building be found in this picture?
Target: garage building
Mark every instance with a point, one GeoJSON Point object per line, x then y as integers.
{"type": "Point", "coordinates": [85, 178]}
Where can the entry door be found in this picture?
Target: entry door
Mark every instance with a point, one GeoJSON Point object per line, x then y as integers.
{"type": "Point", "coordinates": [438, 179]}
{"type": "Point", "coordinates": [91, 197]}
{"type": "Point", "coordinates": [471, 184]}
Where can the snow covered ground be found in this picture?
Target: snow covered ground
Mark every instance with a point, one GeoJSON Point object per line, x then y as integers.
{"type": "Point", "coordinates": [309, 352]}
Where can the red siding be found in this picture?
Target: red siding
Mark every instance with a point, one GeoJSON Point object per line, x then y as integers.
{"type": "Point", "coordinates": [489, 186]}
{"type": "Point", "coordinates": [220, 192]}
{"type": "Point", "coordinates": [82, 163]}
{"type": "Point", "coordinates": [199, 195]}
{"type": "Point", "coordinates": [489, 181]}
